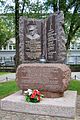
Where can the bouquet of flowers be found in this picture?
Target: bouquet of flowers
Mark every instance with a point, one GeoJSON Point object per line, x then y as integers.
{"type": "Point", "coordinates": [33, 95]}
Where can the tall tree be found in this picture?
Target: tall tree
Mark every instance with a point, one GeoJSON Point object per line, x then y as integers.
{"type": "Point", "coordinates": [74, 24]}
{"type": "Point", "coordinates": [35, 9]}
{"type": "Point", "coordinates": [6, 25]}
{"type": "Point", "coordinates": [71, 9]}
{"type": "Point", "coordinates": [17, 31]}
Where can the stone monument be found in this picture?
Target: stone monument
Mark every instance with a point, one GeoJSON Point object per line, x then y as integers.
{"type": "Point", "coordinates": [38, 38]}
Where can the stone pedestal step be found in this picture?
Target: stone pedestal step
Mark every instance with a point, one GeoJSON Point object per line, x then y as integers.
{"type": "Point", "coordinates": [64, 107]}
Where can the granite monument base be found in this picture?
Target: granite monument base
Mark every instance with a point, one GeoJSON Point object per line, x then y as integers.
{"type": "Point", "coordinates": [63, 108]}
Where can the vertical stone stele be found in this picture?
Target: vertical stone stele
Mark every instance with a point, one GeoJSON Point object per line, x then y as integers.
{"type": "Point", "coordinates": [42, 37]}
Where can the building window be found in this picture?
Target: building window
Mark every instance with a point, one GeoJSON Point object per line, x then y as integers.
{"type": "Point", "coordinates": [4, 47]}
{"type": "Point", "coordinates": [78, 45]}
{"type": "Point", "coordinates": [71, 60]}
{"type": "Point", "coordinates": [14, 47]}
{"type": "Point", "coordinates": [10, 47]}
{"type": "Point", "coordinates": [72, 46]}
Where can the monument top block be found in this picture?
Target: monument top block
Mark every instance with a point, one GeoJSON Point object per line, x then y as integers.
{"type": "Point", "coordinates": [42, 37]}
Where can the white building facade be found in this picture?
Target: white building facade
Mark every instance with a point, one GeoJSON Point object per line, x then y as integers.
{"type": "Point", "coordinates": [73, 55]}
{"type": "Point", "coordinates": [7, 52]}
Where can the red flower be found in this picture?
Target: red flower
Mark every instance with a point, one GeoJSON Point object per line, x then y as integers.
{"type": "Point", "coordinates": [38, 93]}
{"type": "Point", "coordinates": [35, 91]}
{"type": "Point", "coordinates": [34, 94]}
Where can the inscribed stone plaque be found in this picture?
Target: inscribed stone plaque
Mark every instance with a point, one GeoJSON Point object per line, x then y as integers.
{"type": "Point", "coordinates": [32, 41]}
{"type": "Point", "coordinates": [51, 39]}
{"type": "Point", "coordinates": [44, 77]}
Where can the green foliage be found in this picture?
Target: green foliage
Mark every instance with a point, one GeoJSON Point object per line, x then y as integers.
{"type": "Point", "coordinates": [35, 9]}
{"type": "Point", "coordinates": [71, 9]}
{"type": "Point", "coordinates": [6, 29]}
{"type": "Point", "coordinates": [28, 99]}
{"type": "Point", "coordinates": [6, 23]}
{"type": "Point", "coordinates": [75, 67]}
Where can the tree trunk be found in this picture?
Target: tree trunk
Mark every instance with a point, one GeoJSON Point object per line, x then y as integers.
{"type": "Point", "coordinates": [17, 31]}
{"type": "Point", "coordinates": [23, 7]}
{"type": "Point", "coordinates": [68, 43]}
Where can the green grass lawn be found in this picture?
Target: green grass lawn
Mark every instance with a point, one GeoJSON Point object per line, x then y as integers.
{"type": "Point", "coordinates": [2, 73]}
{"type": "Point", "coordinates": [75, 86]}
{"type": "Point", "coordinates": [10, 87]}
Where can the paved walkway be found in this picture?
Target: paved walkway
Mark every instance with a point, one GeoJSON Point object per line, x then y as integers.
{"type": "Point", "coordinates": [7, 77]}
{"type": "Point", "coordinates": [75, 75]}
{"type": "Point", "coordinates": [78, 108]}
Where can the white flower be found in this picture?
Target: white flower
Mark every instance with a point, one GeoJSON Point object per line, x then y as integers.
{"type": "Point", "coordinates": [29, 92]}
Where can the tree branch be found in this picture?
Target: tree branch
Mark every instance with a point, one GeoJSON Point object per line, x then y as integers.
{"type": "Point", "coordinates": [24, 1]}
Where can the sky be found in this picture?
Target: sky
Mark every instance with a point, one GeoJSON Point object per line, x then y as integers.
{"type": "Point", "coordinates": [10, 2]}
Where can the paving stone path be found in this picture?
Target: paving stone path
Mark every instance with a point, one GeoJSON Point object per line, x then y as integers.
{"type": "Point", "coordinates": [7, 77]}
{"type": "Point", "coordinates": [75, 75]}
{"type": "Point", "coordinates": [78, 108]}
